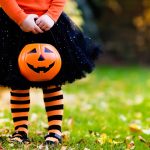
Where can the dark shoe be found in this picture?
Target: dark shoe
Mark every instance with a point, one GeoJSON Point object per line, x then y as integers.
{"type": "Point", "coordinates": [54, 135]}
{"type": "Point", "coordinates": [20, 137]}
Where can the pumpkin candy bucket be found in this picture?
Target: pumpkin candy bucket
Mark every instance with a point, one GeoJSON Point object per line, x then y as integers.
{"type": "Point", "coordinates": [39, 62]}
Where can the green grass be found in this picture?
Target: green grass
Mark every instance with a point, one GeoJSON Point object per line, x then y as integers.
{"type": "Point", "coordinates": [98, 112]}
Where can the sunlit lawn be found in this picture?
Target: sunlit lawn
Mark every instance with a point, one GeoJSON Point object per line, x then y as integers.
{"type": "Point", "coordinates": [110, 109]}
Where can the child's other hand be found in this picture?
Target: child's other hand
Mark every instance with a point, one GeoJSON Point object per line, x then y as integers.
{"type": "Point", "coordinates": [29, 25]}
{"type": "Point", "coordinates": [45, 22]}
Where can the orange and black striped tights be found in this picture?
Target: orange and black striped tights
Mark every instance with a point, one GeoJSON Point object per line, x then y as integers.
{"type": "Point", "coordinates": [53, 99]}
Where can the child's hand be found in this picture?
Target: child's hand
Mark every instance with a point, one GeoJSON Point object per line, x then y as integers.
{"type": "Point", "coordinates": [29, 25]}
{"type": "Point", "coordinates": [45, 22]}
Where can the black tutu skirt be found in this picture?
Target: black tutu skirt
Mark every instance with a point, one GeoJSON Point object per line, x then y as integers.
{"type": "Point", "coordinates": [77, 52]}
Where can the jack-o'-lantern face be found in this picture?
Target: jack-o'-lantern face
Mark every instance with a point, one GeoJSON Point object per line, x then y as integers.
{"type": "Point", "coordinates": [39, 62]}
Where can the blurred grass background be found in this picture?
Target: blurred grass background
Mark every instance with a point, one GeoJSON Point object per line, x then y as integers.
{"type": "Point", "coordinates": [107, 110]}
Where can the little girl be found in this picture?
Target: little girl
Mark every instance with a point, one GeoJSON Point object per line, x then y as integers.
{"type": "Point", "coordinates": [42, 21]}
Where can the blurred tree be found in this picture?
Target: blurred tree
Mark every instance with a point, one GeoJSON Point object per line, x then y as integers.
{"type": "Point", "coordinates": [90, 26]}
{"type": "Point", "coordinates": [125, 28]}
{"type": "Point", "coordinates": [82, 15]}
{"type": "Point", "coordinates": [74, 12]}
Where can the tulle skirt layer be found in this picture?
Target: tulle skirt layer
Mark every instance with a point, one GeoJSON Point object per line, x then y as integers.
{"type": "Point", "coordinates": [77, 51]}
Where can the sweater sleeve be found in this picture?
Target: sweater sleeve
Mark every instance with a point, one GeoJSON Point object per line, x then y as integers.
{"type": "Point", "coordinates": [56, 9]}
{"type": "Point", "coordinates": [12, 9]}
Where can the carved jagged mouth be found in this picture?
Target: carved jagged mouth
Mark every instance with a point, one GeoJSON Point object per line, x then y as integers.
{"type": "Point", "coordinates": [43, 69]}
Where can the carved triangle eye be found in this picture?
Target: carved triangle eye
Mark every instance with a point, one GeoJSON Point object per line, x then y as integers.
{"type": "Point", "coordinates": [46, 50]}
{"type": "Point", "coordinates": [33, 51]}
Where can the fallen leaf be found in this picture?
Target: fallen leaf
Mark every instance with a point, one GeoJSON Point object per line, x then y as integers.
{"type": "Point", "coordinates": [66, 136]}
{"type": "Point", "coordinates": [86, 149]}
{"type": "Point", "coordinates": [102, 139]}
{"type": "Point", "coordinates": [135, 127]}
{"type": "Point", "coordinates": [5, 132]}
{"type": "Point", "coordinates": [142, 139]}
{"type": "Point", "coordinates": [131, 145]}
{"type": "Point", "coordinates": [147, 143]}
{"type": "Point", "coordinates": [63, 148]}
{"type": "Point", "coordinates": [129, 138]}
{"type": "Point", "coordinates": [146, 131]}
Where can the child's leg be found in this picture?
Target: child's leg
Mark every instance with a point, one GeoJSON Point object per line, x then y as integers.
{"type": "Point", "coordinates": [53, 99]}
{"type": "Point", "coordinates": [20, 110]}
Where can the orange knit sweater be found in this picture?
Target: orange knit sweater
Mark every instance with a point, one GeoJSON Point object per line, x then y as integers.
{"type": "Point", "coordinates": [18, 10]}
